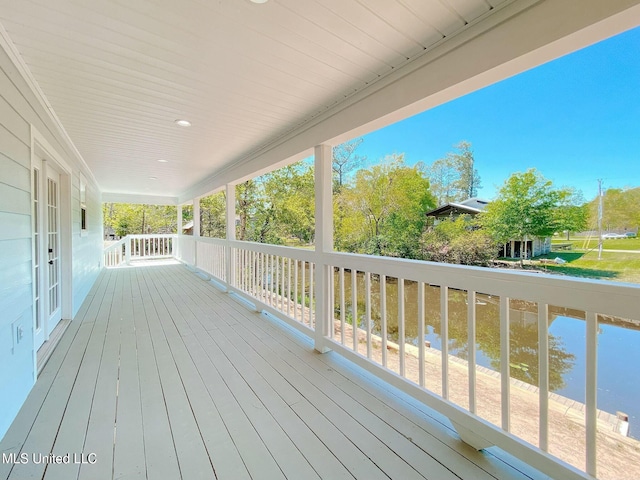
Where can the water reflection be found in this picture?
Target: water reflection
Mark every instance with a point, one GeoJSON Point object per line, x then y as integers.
{"type": "Point", "coordinates": [523, 327]}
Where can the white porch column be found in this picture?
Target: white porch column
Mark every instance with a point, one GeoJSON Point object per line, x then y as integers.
{"type": "Point", "coordinates": [324, 244]}
{"type": "Point", "coordinates": [196, 229]}
{"type": "Point", "coordinates": [231, 235]}
{"type": "Point", "coordinates": [176, 247]}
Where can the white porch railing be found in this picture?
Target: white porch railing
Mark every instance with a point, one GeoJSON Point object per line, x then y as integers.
{"type": "Point", "coordinates": [283, 281]}
{"type": "Point", "coordinates": [138, 247]}
{"type": "Point", "coordinates": [114, 255]}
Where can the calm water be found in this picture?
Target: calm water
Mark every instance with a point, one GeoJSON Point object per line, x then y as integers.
{"type": "Point", "coordinates": [618, 353]}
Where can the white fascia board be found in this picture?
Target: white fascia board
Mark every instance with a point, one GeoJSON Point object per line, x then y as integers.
{"type": "Point", "coordinates": [509, 40]}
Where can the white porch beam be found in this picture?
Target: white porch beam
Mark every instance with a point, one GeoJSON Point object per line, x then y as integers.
{"type": "Point", "coordinates": [517, 37]}
{"type": "Point", "coordinates": [323, 242]}
{"type": "Point", "coordinates": [112, 197]}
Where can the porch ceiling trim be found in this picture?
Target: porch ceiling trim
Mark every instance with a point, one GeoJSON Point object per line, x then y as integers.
{"type": "Point", "coordinates": [110, 197]}
{"type": "Point", "coordinates": [520, 36]}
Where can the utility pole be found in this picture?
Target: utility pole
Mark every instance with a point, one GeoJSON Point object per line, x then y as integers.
{"type": "Point", "coordinates": [599, 219]}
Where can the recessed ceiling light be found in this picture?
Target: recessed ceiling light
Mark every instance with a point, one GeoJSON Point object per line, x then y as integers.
{"type": "Point", "coordinates": [162, 160]}
{"type": "Point", "coordinates": [183, 123]}
{"type": "Point", "coordinates": [259, 1]}
{"type": "Point", "coordinates": [153, 178]}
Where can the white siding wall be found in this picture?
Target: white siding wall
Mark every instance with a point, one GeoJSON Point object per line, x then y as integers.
{"type": "Point", "coordinates": [87, 250]}
{"type": "Point", "coordinates": [19, 110]}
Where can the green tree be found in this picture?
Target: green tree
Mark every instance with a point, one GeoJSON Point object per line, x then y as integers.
{"type": "Point", "coordinates": [383, 209]}
{"type": "Point", "coordinates": [571, 214]}
{"type": "Point", "coordinates": [621, 209]}
{"type": "Point", "coordinates": [524, 209]}
{"type": "Point", "coordinates": [277, 206]}
{"type": "Point", "coordinates": [213, 215]}
{"type": "Point", "coordinates": [458, 240]}
{"type": "Point", "coordinates": [454, 177]}
{"type": "Point", "coordinates": [124, 219]}
{"type": "Point", "coordinates": [345, 160]}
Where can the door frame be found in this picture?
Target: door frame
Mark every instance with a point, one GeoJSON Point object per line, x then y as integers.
{"type": "Point", "coordinates": [43, 154]}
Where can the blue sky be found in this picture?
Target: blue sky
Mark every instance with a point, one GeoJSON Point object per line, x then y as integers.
{"type": "Point", "coordinates": [575, 120]}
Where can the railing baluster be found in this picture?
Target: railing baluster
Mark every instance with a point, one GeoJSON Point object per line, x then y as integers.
{"type": "Point", "coordinates": [543, 374]}
{"type": "Point", "coordinates": [282, 290]}
{"type": "Point", "coordinates": [354, 309]}
{"type": "Point", "coordinates": [303, 308]}
{"type": "Point", "coordinates": [591, 400]}
{"type": "Point", "coordinates": [421, 352]}
{"type": "Point", "coordinates": [401, 326]}
{"type": "Point", "coordinates": [383, 317]}
{"type": "Point", "coordinates": [252, 273]}
{"type": "Point", "coordinates": [367, 299]}
{"type": "Point", "coordinates": [342, 312]}
{"type": "Point", "coordinates": [289, 286]}
{"type": "Point", "coordinates": [270, 278]}
{"type": "Point", "coordinates": [444, 329]}
{"type": "Point", "coordinates": [312, 310]}
{"type": "Point", "coordinates": [505, 369]}
{"type": "Point", "coordinates": [332, 301]}
{"type": "Point", "coordinates": [242, 273]}
{"type": "Point", "coordinates": [471, 345]}
{"type": "Point", "coordinates": [295, 289]}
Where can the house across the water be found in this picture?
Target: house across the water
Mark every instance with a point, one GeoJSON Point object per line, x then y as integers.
{"type": "Point", "coordinates": [512, 249]}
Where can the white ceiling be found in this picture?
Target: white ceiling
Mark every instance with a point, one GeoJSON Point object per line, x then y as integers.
{"type": "Point", "coordinates": [118, 73]}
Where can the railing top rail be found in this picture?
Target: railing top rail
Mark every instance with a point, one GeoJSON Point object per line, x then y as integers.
{"type": "Point", "coordinates": [213, 240]}
{"type": "Point", "coordinates": [115, 245]}
{"type": "Point", "coordinates": [152, 235]}
{"type": "Point", "coordinates": [617, 299]}
{"type": "Point", "coordinates": [600, 296]}
{"type": "Point", "coordinates": [289, 252]}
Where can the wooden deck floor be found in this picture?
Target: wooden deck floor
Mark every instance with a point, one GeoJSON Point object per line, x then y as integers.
{"type": "Point", "coordinates": [161, 376]}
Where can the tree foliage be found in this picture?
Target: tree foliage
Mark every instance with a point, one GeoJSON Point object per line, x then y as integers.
{"type": "Point", "coordinates": [382, 210]}
{"type": "Point", "coordinates": [278, 206]}
{"type": "Point", "coordinates": [454, 177]}
{"type": "Point", "coordinates": [621, 209]}
{"type": "Point", "coordinates": [524, 208]}
{"type": "Point", "coordinates": [458, 240]}
{"type": "Point", "coordinates": [345, 160]}
{"type": "Point", "coordinates": [213, 215]}
{"type": "Point", "coordinates": [571, 214]}
{"type": "Point", "coordinates": [123, 219]}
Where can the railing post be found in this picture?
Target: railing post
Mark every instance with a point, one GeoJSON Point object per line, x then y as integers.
{"type": "Point", "coordinates": [196, 229]}
{"type": "Point", "coordinates": [323, 244]}
{"type": "Point", "coordinates": [127, 250]}
{"type": "Point", "coordinates": [177, 247]}
{"type": "Point", "coordinates": [230, 273]}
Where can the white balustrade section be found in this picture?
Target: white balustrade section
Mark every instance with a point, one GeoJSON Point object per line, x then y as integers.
{"type": "Point", "coordinates": [114, 255]}
{"type": "Point", "coordinates": [151, 246]}
{"type": "Point", "coordinates": [211, 257]}
{"type": "Point", "coordinates": [186, 249]}
{"type": "Point", "coordinates": [281, 281]}
{"type": "Point", "coordinates": [595, 298]}
{"type": "Point", "coordinates": [139, 247]}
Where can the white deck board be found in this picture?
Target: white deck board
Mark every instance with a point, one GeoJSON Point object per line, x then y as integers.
{"type": "Point", "coordinates": [161, 375]}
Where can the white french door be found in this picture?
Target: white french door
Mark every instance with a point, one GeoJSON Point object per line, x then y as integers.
{"type": "Point", "coordinates": [46, 238]}
{"type": "Point", "coordinates": [54, 310]}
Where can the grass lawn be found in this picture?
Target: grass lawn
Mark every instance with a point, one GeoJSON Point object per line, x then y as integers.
{"type": "Point", "coordinates": [620, 267]}
{"type": "Point", "coordinates": [611, 244]}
